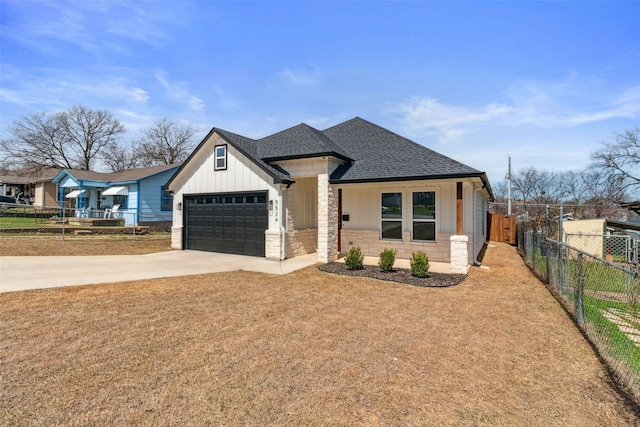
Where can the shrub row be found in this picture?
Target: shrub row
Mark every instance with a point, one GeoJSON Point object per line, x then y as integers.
{"type": "Point", "coordinates": [419, 261]}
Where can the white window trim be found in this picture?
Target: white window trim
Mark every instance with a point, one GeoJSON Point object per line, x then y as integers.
{"type": "Point", "coordinates": [434, 221]}
{"type": "Point", "coordinates": [216, 157]}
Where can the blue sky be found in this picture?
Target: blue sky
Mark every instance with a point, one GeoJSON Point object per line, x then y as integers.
{"type": "Point", "coordinates": [544, 82]}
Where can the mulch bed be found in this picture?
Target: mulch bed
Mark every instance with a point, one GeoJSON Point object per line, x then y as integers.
{"type": "Point", "coordinates": [400, 275]}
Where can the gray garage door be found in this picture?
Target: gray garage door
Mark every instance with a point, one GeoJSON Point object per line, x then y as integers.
{"type": "Point", "coordinates": [230, 223]}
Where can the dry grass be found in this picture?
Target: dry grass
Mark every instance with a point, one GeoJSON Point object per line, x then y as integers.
{"type": "Point", "coordinates": [86, 245]}
{"type": "Point", "coordinates": [308, 348]}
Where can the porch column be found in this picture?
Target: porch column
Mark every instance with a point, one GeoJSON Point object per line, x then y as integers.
{"type": "Point", "coordinates": [327, 220]}
{"type": "Point", "coordinates": [459, 242]}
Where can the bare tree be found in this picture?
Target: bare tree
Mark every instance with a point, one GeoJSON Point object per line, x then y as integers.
{"type": "Point", "coordinates": [69, 139]}
{"type": "Point", "coordinates": [165, 143]}
{"type": "Point", "coordinates": [119, 158]}
{"type": "Point", "coordinates": [620, 160]}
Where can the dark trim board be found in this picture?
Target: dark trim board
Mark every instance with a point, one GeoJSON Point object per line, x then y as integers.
{"type": "Point", "coordinates": [226, 222]}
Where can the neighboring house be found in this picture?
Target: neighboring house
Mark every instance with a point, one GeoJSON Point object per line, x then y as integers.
{"type": "Point", "coordinates": [35, 187]}
{"type": "Point", "coordinates": [602, 238]}
{"type": "Point", "coordinates": [303, 190]}
{"type": "Point", "coordinates": [139, 193]}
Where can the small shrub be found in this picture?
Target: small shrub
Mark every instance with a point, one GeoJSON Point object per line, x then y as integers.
{"type": "Point", "coordinates": [354, 258]}
{"type": "Point", "coordinates": [419, 264]}
{"type": "Point", "coordinates": [387, 258]}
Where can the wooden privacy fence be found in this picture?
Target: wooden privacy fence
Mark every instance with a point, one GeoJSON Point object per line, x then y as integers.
{"type": "Point", "coordinates": [502, 228]}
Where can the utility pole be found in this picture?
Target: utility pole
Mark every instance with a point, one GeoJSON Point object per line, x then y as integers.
{"type": "Point", "coordinates": [509, 188]}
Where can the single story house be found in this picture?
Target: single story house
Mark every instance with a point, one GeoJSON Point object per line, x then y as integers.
{"type": "Point", "coordinates": [303, 190]}
{"type": "Point", "coordinates": [33, 187]}
{"type": "Point", "coordinates": [139, 194]}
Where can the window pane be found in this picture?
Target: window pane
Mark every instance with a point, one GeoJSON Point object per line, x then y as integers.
{"type": "Point", "coordinates": [424, 231]}
{"type": "Point", "coordinates": [220, 163]}
{"type": "Point", "coordinates": [220, 151]}
{"type": "Point", "coordinates": [424, 205]}
{"type": "Point", "coordinates": [392, 230]}
{"type": "Point", "coordinates": [392, 205]}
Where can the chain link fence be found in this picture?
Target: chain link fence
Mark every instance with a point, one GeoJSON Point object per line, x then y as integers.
{"type": "Point", "coordinates": [603, 296]}
{"type": "Point", "coordinates": [611, 247]}
{"type": "Point", "coordinates": [20, 219]}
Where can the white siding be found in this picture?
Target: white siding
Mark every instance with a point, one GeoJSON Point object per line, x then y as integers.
{"type": "Point", "coordinates": [305, 203]}
{"type": "Point", "coordinates": [199, 176]}
{"type": "Point", "coordinates": [362, 203]}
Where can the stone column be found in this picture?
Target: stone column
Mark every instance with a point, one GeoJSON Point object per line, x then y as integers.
{"type": "Point", "coordinates": [327, 220]}
{"type": "Point", "coordinates": [273, 244]}
{"type": "Point", "coordinates": [176, 237]}
{"type": "Point", "coordinates": [459, 254]}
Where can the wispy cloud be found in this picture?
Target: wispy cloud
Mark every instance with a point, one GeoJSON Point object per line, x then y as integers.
{"type": "Point", "coordinates": [92, 26]}
{"type": "Point", "coordinates": [563, 104]}
{"type": "Point", "coordinates": [178, 91]}
{"type": "Point", "coordinates": [51, 88]}
{"type": "Point", "coordinates": [300, 77]}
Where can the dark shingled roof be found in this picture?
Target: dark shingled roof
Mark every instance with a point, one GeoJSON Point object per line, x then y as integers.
{"type": "Point", "coordinates": [301, 141]}
{"type": "Point", "coordinates": [370, 152]}
{"type": "Point", "coordinates": [381, 155]}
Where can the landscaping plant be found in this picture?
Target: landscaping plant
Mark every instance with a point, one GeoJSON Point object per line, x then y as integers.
{"type": "Point", "coordinates": [387, 258]}
{"type": "Point", "coordinates": [354, 258]}
{"type": "Point", "coordinates": [419, 264]}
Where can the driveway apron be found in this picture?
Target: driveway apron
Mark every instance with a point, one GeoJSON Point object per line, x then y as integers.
{"type": "Point", "coordinates": [26, 273]}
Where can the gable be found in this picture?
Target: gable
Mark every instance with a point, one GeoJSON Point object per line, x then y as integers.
{"type": "Point", "coordinates": [199, 175]}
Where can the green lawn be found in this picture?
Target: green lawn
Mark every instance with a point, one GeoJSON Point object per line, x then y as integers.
{"type": "Point", "coordinates": [22, 222]}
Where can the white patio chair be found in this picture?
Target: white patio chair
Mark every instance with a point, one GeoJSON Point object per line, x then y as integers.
{"type": "Point", "coordinates": [111, 213]}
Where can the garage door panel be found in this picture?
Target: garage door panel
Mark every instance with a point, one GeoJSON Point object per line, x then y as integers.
{"type": "Point", "coordinates": [230, 223]}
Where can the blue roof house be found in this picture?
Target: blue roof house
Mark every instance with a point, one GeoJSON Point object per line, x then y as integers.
{"type": "Point", "coordinates": [138, 194]}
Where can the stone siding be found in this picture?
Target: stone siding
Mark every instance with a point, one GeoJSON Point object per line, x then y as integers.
{"type": "Point", "coordinates": [301, 242]}
{"type": "Point", "coordinates": [371, 244]}
{"type": "Point", "coordinates": [176, 237]}
{"type": "Point", "coordinates": [460, 254]}
{"type": "Point", "coordinates": [327, 220]}
{"type": "Point", "coordinates": [273, 244]}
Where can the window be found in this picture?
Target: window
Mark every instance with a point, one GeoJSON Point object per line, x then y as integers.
{"type": "Point", "coordinates": [166, 201]}
{"type": "Point", "coordinates": [220, 157]}
{"type": "Point", "coordinates": [392, 216]}
{"type": "Point", "coordinates": [424, 215]}
{"type": "Point", "coordinates": [121, 200]}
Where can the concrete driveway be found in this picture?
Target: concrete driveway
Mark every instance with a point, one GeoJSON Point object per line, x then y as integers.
{"type": "Point", "coordinates": [40, 272]}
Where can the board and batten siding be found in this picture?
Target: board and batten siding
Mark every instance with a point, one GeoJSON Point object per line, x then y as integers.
{"type": "Point", "coordinates": [200, 177]}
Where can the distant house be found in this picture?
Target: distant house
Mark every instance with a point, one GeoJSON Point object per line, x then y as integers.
{"type": "Point", "coordinates": [303, 190]}
{"type": "Point", "coordinates": [602, 238]}
{"type": "Point", "coordinates": [32, 187]}
{"type": "Point", "coordinates": [139, 194]}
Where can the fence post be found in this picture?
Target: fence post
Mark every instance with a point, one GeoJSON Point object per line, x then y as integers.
{"type": "Point", "coordinates": [580, 305]}
{"type": "Point", "coordinates": [64, 220]}
{"type": "Point", "coordinates": [548, 272]}
{"type": "Point", "coordinates": [560, 285]}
